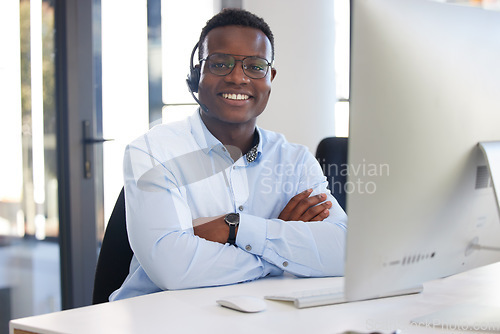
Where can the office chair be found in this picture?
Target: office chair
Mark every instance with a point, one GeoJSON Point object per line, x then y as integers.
{"type": "Point", "coordinates": [332, 156]}
{"type": "Point", "coordinates": [115, 255]}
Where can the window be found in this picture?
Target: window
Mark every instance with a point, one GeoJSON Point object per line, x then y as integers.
{"type": "Point", "coordinates": [29, 218]}
{"type": "Point", "coordinates": [342, 54]}
{"type": "Point", "coordinates": [179, 36]}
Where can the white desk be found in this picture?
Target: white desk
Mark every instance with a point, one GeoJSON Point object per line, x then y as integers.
{"type": "Point", "coordinates": [195, 311]}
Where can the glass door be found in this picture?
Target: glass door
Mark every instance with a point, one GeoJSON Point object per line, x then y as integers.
{"type": "Point", "coordinates": [29, 217]}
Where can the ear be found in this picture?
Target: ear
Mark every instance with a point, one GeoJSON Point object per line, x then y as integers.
{"type": "Point", "coordinates": [273, 73]}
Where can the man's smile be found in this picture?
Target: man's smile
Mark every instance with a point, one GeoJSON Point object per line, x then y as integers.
{"type": "Point", "coordinates": [237, 97]}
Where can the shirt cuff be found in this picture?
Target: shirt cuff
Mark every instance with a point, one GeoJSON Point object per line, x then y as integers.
{"type": "Point", "coordinates": [252, 234]}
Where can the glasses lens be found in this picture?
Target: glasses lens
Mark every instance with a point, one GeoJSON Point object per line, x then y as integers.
{"type": "Point", "coordinates": [223, 64]}
{"type": "Point", "coordinates": [220, 64]}
{"type": "Point", "coordinates": [255, 67]}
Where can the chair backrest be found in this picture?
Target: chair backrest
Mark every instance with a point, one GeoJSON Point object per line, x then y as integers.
{"type": "Point", "coordinates": [332, 156]}
{"type": "Point", "coordinates": [115, 255]}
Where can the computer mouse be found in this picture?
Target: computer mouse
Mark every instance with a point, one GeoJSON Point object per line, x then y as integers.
{"type": "Point", "coordinates": [248, 304]}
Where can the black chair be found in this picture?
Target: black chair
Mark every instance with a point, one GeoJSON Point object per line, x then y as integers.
{"type": "Point", "coordinates": [332, 156]}
{"type": "Point", "coordinates": [115, 255]}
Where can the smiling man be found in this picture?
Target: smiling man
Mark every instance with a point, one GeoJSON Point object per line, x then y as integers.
{"type": "Point", "coordinates": [216, 200]}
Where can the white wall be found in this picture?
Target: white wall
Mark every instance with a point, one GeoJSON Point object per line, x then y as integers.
{"type": "Point", "coordinates": [124, 88]}
{"type": "Point", "coordinates": [303, 95]}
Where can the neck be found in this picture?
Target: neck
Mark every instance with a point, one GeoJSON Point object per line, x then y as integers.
{"type": "Point", "coordinates": [239, 136]}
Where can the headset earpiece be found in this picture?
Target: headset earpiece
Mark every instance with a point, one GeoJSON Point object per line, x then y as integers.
{"type": "Point", "coordinates": [193, 78]}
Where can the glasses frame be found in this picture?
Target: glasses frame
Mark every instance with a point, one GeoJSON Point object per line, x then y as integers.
{"type": "Point", "coordinates": [269, 64]}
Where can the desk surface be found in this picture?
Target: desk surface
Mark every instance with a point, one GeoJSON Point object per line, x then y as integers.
{"type": "Point", "coordinates": [191, 311]}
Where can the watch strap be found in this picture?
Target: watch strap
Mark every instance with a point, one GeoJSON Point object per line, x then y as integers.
{"type": "Point", "coordinates": [232, 235]}
{"type": "Point", "coordinates": [233, 220]}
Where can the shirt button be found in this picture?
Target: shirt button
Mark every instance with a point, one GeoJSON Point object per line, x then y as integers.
{"type": "Point", "coordinates": [248, 248]}
{"type": "Point", "coordinates": [241, 208]}
{"type": "Point", "coordinates": [285, 264]}
{"type": "Point", "coordinates": [234, 167]}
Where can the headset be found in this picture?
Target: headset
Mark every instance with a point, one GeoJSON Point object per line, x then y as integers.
{"type": "Point", "coordinates": [193, 79]}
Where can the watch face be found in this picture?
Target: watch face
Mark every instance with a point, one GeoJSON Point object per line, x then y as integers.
{"type": "Point", "coordinates": [232, 219]}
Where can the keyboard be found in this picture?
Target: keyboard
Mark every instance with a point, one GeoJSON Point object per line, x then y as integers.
{"type": "Point", "coordinates": [329, 296]}
{"type": "Point", "coordinates": [310, 298]}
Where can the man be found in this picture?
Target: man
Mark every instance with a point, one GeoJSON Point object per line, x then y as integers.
{"type": "Point", "coordinates": [214, 199]}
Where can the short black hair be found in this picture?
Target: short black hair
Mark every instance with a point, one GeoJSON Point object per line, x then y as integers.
{"type": "Point", "coordinates": [236, 17]}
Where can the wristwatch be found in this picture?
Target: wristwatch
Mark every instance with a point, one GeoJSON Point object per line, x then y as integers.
{"type": "Point", "coordinates": [233, 220]}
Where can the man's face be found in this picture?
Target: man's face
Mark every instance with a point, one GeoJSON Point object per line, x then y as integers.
{"type": "Point", "coordinates": [218, 93]}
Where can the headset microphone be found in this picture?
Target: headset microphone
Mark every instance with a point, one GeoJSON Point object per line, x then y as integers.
{"type": "Point", "coordinates": [193, 79]}
{"type": "Point", "coordinates": [204, 107]}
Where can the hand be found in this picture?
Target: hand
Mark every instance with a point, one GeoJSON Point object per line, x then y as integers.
{"type": "Point", "coordinates": [304, 208]}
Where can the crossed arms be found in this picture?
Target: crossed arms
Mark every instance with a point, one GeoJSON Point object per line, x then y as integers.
{"type": "Point", "coordinates": [306, 237]}
{"type": "Point", "coordinates": [301, 207]}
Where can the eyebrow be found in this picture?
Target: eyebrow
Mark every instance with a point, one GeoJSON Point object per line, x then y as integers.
{"type": "Point", "coordinates": [234, 55]}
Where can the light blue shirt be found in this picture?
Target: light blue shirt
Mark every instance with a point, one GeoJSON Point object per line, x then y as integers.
{"type": "Point", "coordinates": [178, 173]}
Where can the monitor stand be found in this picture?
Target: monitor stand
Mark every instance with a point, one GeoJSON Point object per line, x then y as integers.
{"type": "Point", "coordinates": [491, 151]}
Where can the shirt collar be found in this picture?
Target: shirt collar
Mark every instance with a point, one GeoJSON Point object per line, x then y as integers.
{"type": "Point", "coordinates": [259, 146]}
{"type": "Point", "coordinates": [207, 141]}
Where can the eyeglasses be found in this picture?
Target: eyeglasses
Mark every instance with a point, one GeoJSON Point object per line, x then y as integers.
{"type": "Point", "coordinates": [222, 64]}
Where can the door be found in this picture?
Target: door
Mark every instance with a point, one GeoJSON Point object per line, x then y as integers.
{"type": "Point", "coordinates": [29, 206]}
{"type": "Point", "coordinates": [102, 93]}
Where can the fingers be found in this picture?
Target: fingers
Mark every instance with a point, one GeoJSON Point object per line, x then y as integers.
{"type": "Point", "coordinates": [318, 212]}
{"type": "Point", "coordinates": [305, 208]}
{"type": "Point", "coordinates": [309, 208]}
{"type": "Point", "coordinates": [288, 211]}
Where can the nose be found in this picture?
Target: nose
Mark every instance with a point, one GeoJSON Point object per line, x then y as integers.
{"type": "Point", "coordinates": [237, 75]}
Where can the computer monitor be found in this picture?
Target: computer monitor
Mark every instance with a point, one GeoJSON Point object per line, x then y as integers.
{"type": "Point", "coordinates": [425, 89]}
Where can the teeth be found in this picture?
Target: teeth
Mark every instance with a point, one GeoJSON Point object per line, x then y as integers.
{"type": "Point", "coordinates": [235, 96]}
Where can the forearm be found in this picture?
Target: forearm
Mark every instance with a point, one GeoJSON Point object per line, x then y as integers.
{"type": "Point", "coordinates": [301, 248]}
{"type": "Point", "coordinates": [185, 261]}
{"type": "Point", "coordinates": [212, 229]}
